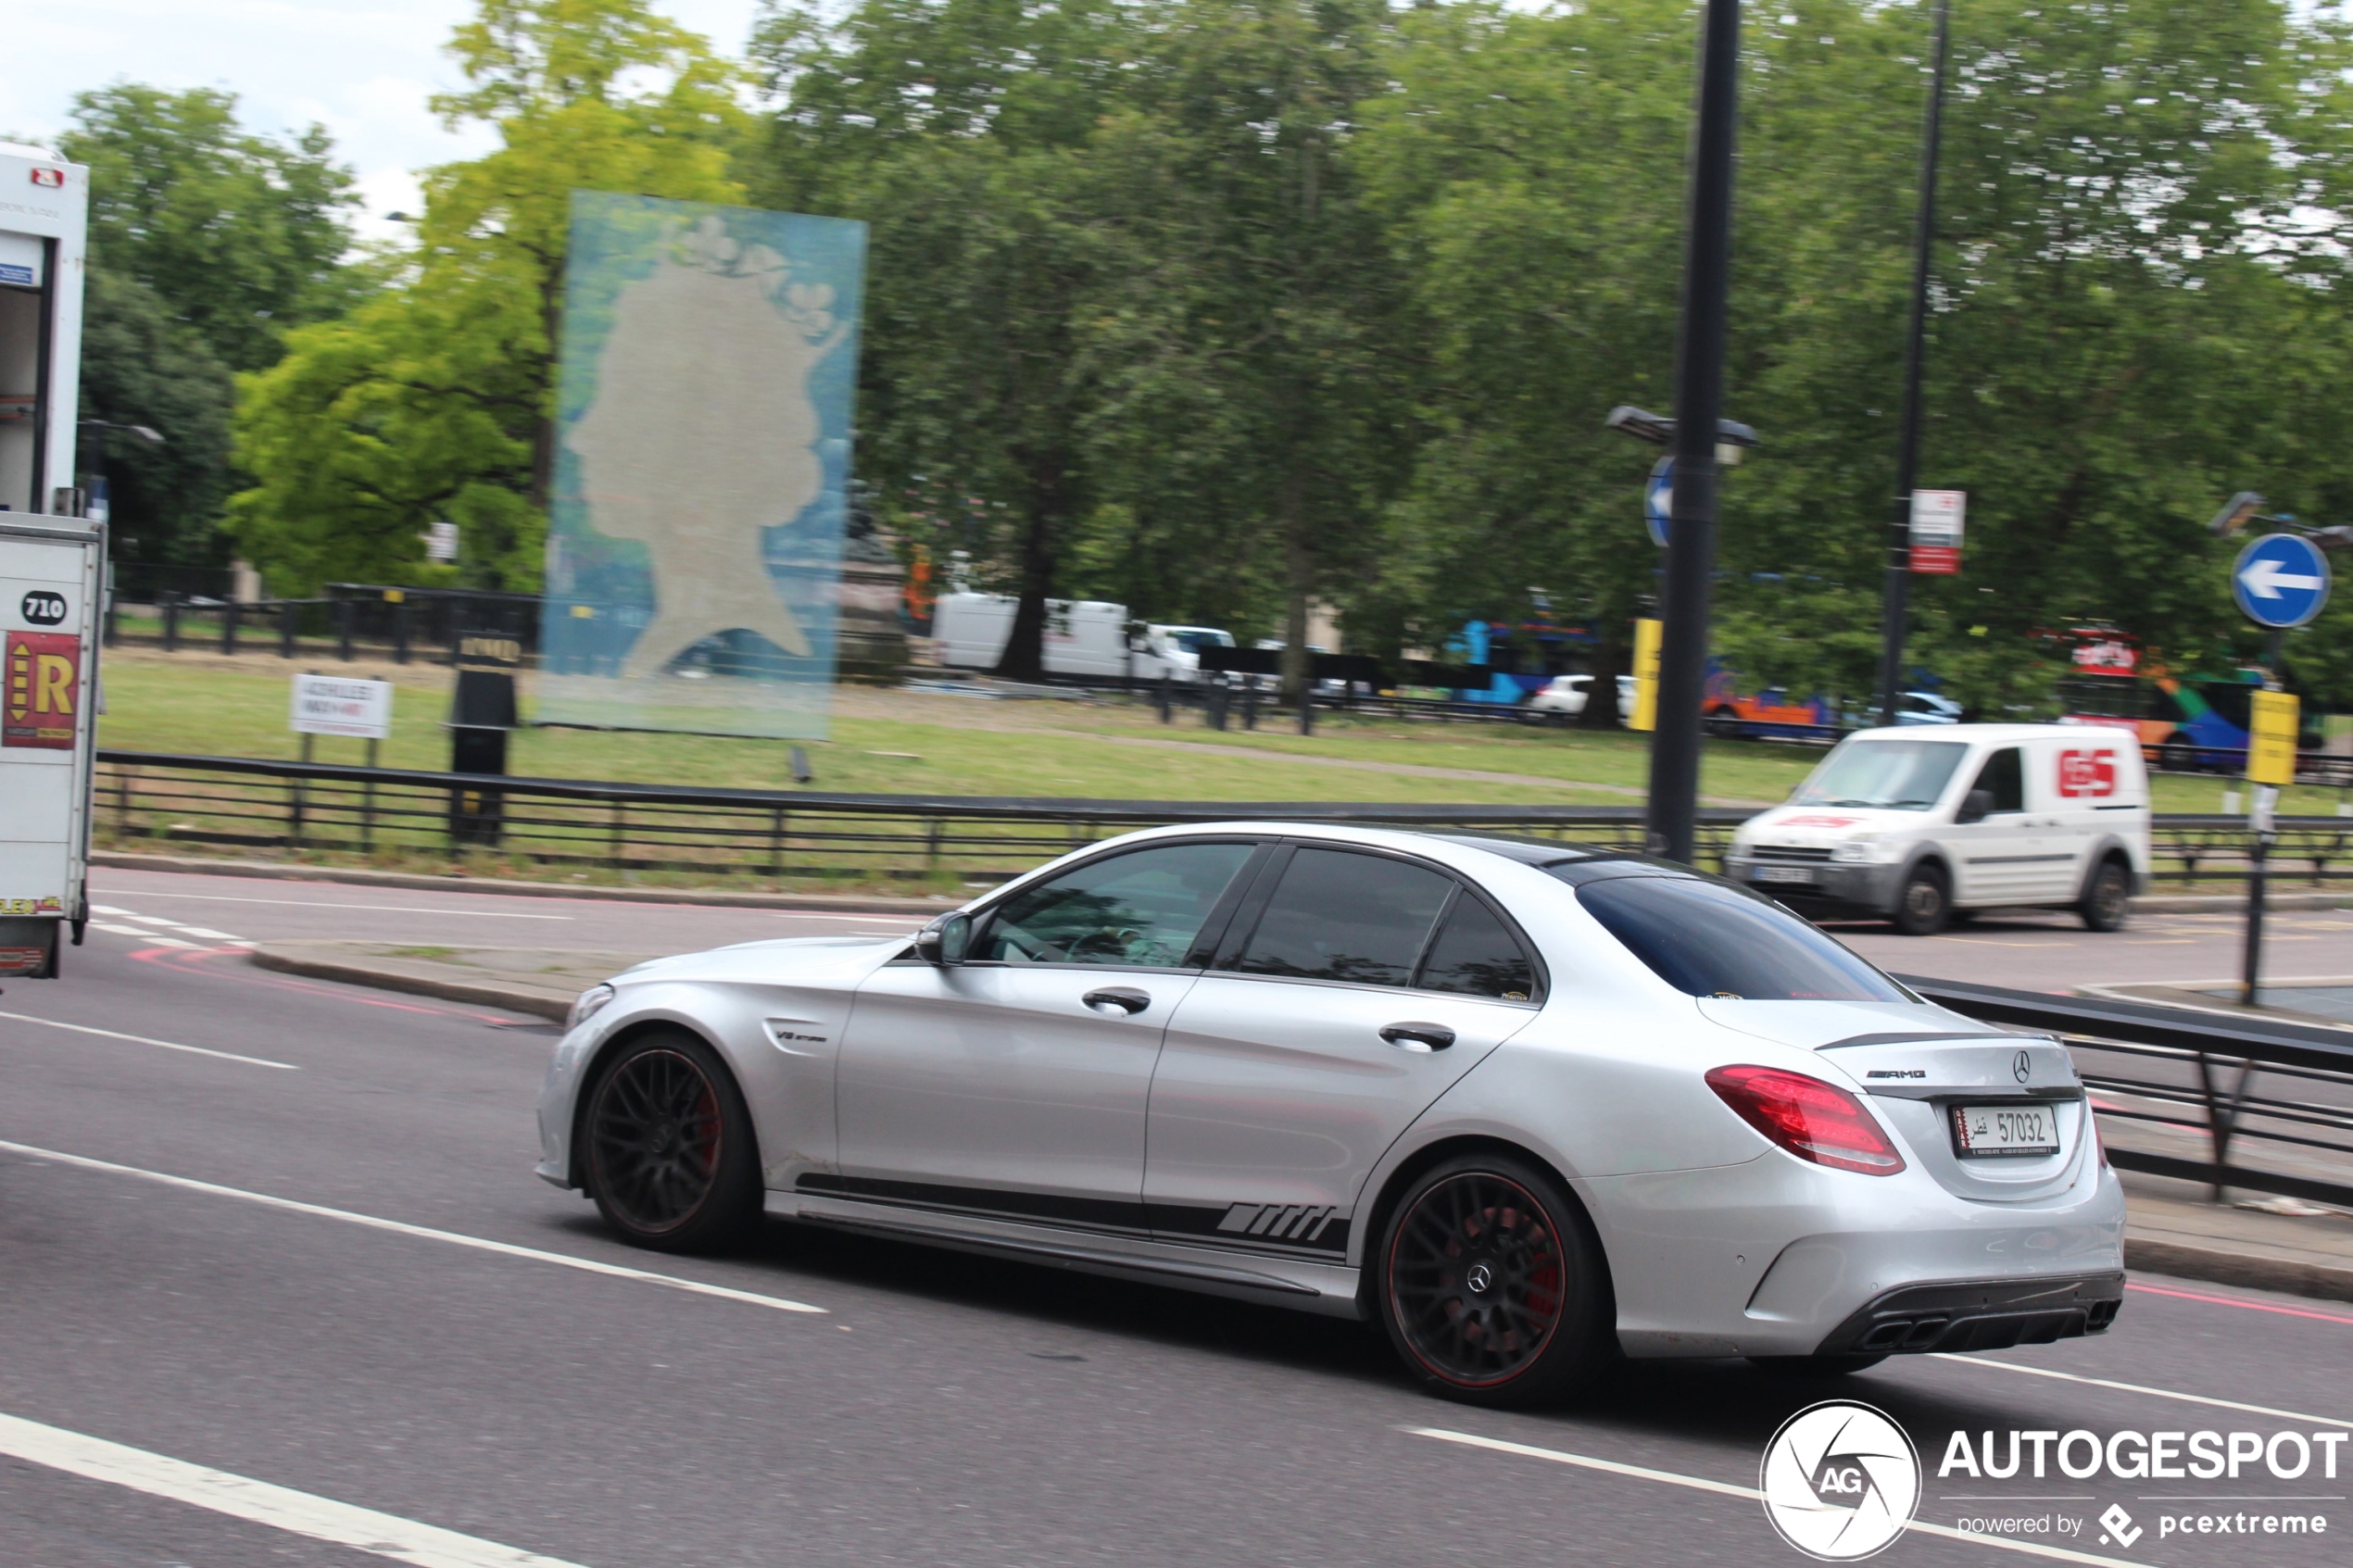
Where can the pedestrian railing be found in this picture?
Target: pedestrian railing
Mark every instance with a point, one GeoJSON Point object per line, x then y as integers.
{"type": "Point", "coordinates": [2231, 1100]}
{"type": "Point", "coordinates": [259, 803]}
{"type": "Point", "coordinates": [263, 804]}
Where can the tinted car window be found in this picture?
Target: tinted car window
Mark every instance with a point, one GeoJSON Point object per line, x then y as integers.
{"type": "Point", "coordinates": [1139, 909]}
{"type": "Point", "coordinates": [1709, 940]}
{"type": "Point", "coordinates": [2003, 778]}
{"type": "Point", "coordinates": [1338, 916]}
{"type": "Point", "coordinates": [1476, 953]}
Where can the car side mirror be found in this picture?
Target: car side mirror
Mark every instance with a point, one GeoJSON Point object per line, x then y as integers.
{"type": "Point", "coordinates": [1976, 806]}
{"type": "Point", "coordinates": [944, 942]}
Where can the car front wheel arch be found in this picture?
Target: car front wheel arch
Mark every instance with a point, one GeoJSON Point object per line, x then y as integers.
{"type": "Point", "coordinates": [592, 1071]}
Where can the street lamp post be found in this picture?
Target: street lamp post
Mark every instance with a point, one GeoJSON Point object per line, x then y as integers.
{"type": "Point", "coordinates": [1699, 395]}
{"type": "Point", "coordinates": [1895, 606]}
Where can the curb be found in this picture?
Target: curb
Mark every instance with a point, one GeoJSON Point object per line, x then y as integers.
{"type": "Point", "coordinates": [2248, 1271]}
{"type": "Point", "coordinates": [2232, 903]}
{"type": "Point", "coordinates": [514, 998]}
{"type": "Point", "coordinates": [358, 876]}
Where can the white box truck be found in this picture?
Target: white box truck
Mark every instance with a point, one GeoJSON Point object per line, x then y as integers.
{"type": "Point", "coordinates": [45, 210]}
{"type": "Point", "coordinates": [1084, 637]}
{"type": "Point", "coordinates": [52, 577]}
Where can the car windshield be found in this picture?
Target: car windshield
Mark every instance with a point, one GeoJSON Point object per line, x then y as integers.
{"type": "Point", "coordinates": [1898, 775]}
{"type": "Point", "coordinates": [1192, 639]}
{"type": "Point", "coordinates": [1709, 940]}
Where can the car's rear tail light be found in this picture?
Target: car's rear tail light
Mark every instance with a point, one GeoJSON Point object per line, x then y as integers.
{"type": "Point", "coordinates": [2099, 1144]}
{"type": "Point", "coordinates": [1812, 1119]}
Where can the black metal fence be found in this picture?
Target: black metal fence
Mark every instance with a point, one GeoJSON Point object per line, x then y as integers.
{"type": "Point", "coordinates": [419, 625]}
{"type": "Point", "coordinates": [260, 804]}
{"type": "Point", "coordinates": [254, 803]}
{"type": "Point", "coordinates": [2244, 1102]}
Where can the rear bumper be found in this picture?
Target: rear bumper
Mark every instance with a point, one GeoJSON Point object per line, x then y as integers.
{"type": "Point", "coordinates": [1980, 1316]}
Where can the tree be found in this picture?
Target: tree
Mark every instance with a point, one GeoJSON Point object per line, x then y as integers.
{"type": "Point", "coordinates": [2137, 311]}
{"type": "Point", "coordinates": [142, 366]}
{"type": "Point", "coordinates": [240, 236]}
{"type": "Point", "coordinates": [208, 244]}
{"type": "Point", "coordinates": [436, 400]}
{"type": "Point", "coordinates": [1261, 318]}
{"type": "Point", "coordinates": [962, 131]}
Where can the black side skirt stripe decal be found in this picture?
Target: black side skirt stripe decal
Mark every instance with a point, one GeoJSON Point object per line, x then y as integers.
{"type": "Point", "coordinates": [1242, 1226]}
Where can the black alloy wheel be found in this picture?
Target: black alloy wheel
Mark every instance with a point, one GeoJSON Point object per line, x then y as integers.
{"type": "Point", "coordinates": [2107, 901]}
{"type": "Point", "coordinates": [670, 1155]}
{"type": "Point", "coordinates": [1926, 902]}
{"type": "Point", "coordinates": [1491, 1284]}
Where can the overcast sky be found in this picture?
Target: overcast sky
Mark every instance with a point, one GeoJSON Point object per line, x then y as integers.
{"type": "Point", "coordinates": [363, 69]}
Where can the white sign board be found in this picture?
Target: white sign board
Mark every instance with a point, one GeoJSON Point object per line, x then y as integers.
{"type": "Point", "coordinates": [1937, 517]}
{"type": "Point", "coordinates": [331, 705]}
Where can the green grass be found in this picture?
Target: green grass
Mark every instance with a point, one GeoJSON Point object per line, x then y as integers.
{"type": "Point", "coordinates": [899, 744]}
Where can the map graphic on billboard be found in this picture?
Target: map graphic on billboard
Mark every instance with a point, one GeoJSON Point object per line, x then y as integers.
{"type": "Point", "coordinates": [707, 363]}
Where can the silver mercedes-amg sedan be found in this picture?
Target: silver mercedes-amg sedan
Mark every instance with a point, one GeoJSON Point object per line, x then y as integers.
{"type": "Point", "coordinates": [1529, 1104]}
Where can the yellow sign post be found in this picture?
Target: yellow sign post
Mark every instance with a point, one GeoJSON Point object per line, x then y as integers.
{"type": "Point", "coordinates": [2271, 752]}
{"type": "Point", "coordinates": [2270, 768]}
{"type": "Point", "coordinates": [1647, 640]}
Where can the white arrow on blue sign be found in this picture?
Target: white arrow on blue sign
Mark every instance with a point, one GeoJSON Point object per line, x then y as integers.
{"type": "Point", "coordinates": [1658, 496]}
{"type": "Point", "coordinates": [2280, 580]}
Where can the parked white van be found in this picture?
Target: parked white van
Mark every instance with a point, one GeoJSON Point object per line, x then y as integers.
{"type": "Point", "coordinates": [1912, 827]}
{"type": "Point", "coordinates": [1086, 637]}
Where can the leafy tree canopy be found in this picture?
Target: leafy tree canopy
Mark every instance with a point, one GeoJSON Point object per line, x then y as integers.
{"type": "Point", "coordinates": [435, 399]}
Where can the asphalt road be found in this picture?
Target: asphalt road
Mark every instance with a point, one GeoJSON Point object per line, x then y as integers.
{"type": "Point", "coordinates": [405, 1378]}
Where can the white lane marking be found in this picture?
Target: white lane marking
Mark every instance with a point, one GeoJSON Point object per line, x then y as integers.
{"type": "Point", "coordinates": [121, 930]}
{"type": "Point", "coordinates": [214, 935]}
{"type": "Point", "coordinates": [258, 1502]}
{"type": "Point", "coordinates": [1700, 1484]}
{"type": "Point", "coordinates": [152, 940]}
{"type": "Point", "coordinates": [2141, 1388]}
{"type": "Point", "coordinates": [159, 1045]}
{"type": "Point", "coordinates": [317, 904]}
{"type": "Point", "coordinates": [398, 1227]}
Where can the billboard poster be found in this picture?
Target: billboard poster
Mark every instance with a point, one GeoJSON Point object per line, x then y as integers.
{"type": "Point", "coordinates": [707, 363]}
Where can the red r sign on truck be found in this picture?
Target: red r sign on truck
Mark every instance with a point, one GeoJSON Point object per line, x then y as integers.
{"type": "Point", "coordinates": [50, 582]}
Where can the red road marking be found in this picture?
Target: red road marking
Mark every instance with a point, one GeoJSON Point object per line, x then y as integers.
{"type": "Point", "coordinates": [2235, 1301]}
{"type": "Point", "coordinates": [192, 961]}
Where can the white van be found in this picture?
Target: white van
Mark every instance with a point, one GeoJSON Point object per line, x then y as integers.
{"type": "Point", "coordinates": [1912, 827]}
{"type": "Point", "coordinates": [1086, 637]}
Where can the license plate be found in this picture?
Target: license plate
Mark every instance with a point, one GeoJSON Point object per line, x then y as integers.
{"type": "Point", "coordinates": [1987, 1131]}
{"type": "Point", "coordinates": [1786, 874]}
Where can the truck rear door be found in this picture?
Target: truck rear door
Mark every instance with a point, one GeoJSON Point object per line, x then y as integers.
{"type": "Point", "coordinates": [49, 591]}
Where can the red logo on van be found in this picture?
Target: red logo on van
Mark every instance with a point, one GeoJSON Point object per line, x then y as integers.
{"type": "Point", "coordinates": [1817, 822]}
{"type": "Point", "coordinates": [48, 176]}
{"type": "Point", "coordinates": [2085, 774]}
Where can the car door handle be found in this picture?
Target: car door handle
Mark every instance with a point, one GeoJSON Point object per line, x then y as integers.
{"type": "Point", "coordinates": [1418, 1037]}
{"type": "Point", "coordinates": [1126, 998]}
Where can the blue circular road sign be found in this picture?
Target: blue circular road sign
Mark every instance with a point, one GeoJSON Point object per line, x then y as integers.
{"type": "Point", "coordinates": [2280, 580]}
{"type": "Point", "coordinates": [1658, 496]}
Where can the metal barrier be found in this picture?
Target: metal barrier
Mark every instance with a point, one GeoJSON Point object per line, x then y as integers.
{"type": "Point", "coordinates": [2181, 1086]}
{"type": "Point", "coordinates": [265, 804]}
{"type": "Point", "coordinates": [642, 827]}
